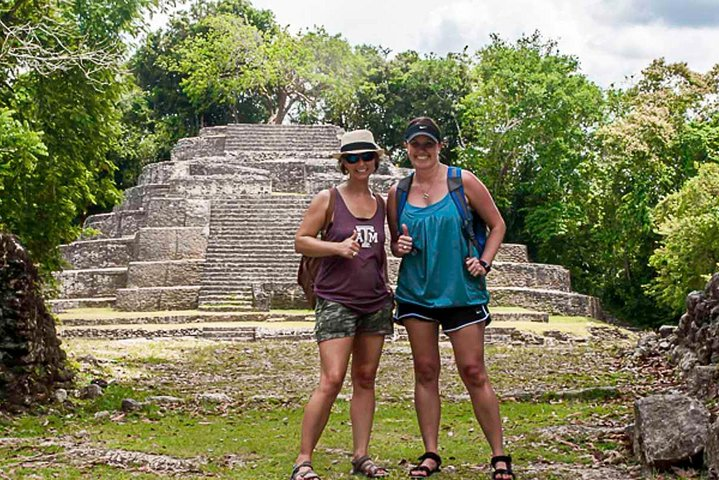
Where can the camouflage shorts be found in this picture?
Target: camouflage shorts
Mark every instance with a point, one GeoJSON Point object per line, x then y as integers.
{"type": "Point", "coordinates": [334, 320]}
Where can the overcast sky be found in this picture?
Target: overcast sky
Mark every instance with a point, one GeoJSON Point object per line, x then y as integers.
{"type": "Point", "coordinates": [612, 38]}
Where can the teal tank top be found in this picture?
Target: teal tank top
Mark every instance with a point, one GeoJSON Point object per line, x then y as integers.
{"type": "Point", "coordinates": [434, 274]}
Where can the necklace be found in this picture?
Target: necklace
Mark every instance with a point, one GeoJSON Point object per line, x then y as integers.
{"type": "Point", "coordinates": [425, 195]}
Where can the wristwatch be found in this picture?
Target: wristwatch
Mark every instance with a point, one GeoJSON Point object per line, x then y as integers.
{"type": "Point", "coordinates": [487, 267]}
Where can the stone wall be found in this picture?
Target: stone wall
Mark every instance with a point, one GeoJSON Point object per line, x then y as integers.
{"type": "Point", "coordinates": [32, 364]}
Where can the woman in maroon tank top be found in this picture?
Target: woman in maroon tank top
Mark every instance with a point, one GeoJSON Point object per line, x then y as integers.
{"type": "Point", "coordinates": [354, 304]}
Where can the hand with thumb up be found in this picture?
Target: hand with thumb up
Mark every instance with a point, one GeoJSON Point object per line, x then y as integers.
{"type": "Point", "coordinates": [349, 247]}
{"type": "Point", "coordinates": [404, 242]}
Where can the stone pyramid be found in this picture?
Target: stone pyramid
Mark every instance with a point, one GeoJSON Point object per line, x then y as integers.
{"type": "Point", "coordinates": [213, 229]}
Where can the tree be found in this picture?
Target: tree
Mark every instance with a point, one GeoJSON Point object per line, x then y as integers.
{"type": "Point", "coordinates": [528, 123]}
{"type": "Point", "coordinates": [649, 150]}
{"type": "Point", "coordinates": [54, 154]}
{"type": "Point", "coordinates": [392, 92]}
{"type": "Point", "coordinates": [233, 62]}
{"type": "Point", "coordinates": [171, 114]}
{"type": "Point", "coordinates": [688, 222]}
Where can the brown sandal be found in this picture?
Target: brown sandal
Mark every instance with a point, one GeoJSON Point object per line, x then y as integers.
{"type": "Point", "coordinates": [365, 466]}
{"type": "Point", "coordinates": [308, 475]}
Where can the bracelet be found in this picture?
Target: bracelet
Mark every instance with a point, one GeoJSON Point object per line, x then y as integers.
{"type": "Point", "coordinates": [487, 267]}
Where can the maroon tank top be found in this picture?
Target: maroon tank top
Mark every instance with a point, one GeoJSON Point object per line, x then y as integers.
{"type": "Point", "coordinates": [358, 283]}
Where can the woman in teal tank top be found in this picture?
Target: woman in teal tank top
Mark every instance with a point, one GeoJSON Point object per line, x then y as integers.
{"type": "Point", "coordinates": [441, 282]}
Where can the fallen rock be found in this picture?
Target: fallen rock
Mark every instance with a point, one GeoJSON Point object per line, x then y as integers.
{"type": "Point", "coordinates": [214, 398]}
{"type": "Point", "coordinates": [91, 392]}
{"type": "Point", "coordinates": [711, 453]}
{"type": "Point", "coordinates": [61, 395]}
{"type": "Point", "coordinates": [670, 430]}
{"type": "Point", "coordinates": [130, 405]}
{"type": "Point", "coordinates": [703, 382]}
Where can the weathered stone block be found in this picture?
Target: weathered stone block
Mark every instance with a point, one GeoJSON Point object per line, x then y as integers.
{"type": "Point", "coordinates": [703, 381]}
{"type": "Point", "coordinates": [156, 244]}
{"type": "Point", "coordinates": [669, 430]}
{"type": "Point", "coordinates": [102, 282]}
{"type": "Point", "coordinates": [104, 253]}
{"type": "Point", "coordinates": [711, 452]}
{"type": "Point", "coordinates": [552, 301]}
{"type": "Point", "coordinates": [157, 298]}
{"type": "Point", "coordinates": [107, 224]}
{"type": "Point", "coordinates": [221, 187]}
{"type": "Point", "coordinates": [130, 221]}
{"type": "Point", "coordinates": [197, 212]}
{"type": "Point", "coordinates": [166, 212]}
{"type": "Point", "coordinates": [172, 243]}
{"type": "Point", "coordinates": [195, 147]}
{"type": "Point", "coordinates": [160, 172]}
{"type": "Point", "coordinates": [164, 273]}
{"type": "Point", "coordinates": [192, 243]}
{"type": "Point", "coordinates": [529, 275]}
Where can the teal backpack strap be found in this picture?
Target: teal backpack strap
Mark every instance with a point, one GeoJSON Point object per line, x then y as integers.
{"type": "Point", "coordinates": [402, 193]}
{"type": "Point", "coordinates": [473, 226]}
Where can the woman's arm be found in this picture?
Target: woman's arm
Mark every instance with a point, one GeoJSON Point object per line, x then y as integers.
{"type": "Point", "coordinates": [306, 241]}
{"type": "Point", "coordinates": [482, 202]}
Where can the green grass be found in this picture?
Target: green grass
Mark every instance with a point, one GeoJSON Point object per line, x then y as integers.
{"type": "Point", "coordinates": [271, 381]}
{"type": "Point", "coordinates": [267, 439]}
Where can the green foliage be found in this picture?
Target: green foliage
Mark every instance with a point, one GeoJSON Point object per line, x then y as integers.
{"type": "Point", "coordinates": [233, 62]}
{"type": "Point", "coordinates": [394, 91]}
{"type": "Point", "coordinates": [650, 149]}
{"type": "Point", "coordinates": [59, 117]}
{"type": "Point", "coordinates": [527, 124]}
{"type": "Point", "coordinates": [688, 222]}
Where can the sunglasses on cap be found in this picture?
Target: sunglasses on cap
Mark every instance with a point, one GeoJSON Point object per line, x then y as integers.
{"type": "Point", "coordinates": [353, 158]}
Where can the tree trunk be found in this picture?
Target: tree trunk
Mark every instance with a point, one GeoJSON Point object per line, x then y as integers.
{"type": "Point", "coordinates": [279, 114]}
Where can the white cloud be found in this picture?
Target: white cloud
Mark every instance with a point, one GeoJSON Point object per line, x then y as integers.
{"type": "Point", "coordinates": [611, 38]}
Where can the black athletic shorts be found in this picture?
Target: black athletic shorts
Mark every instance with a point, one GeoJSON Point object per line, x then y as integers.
{"type": "Point", "coordinates": [451, 319]}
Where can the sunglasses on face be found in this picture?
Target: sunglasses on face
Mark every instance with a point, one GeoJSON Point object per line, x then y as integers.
{"type": "Point", "coordinates": [423, 145]}
{"type": "Point", "coordinates": [353, 158]}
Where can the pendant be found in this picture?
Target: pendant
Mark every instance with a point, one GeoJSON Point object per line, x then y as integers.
{"type": "Point", "coordinates": [425, 195]}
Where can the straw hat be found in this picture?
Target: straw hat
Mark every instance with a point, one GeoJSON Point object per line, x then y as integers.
{"type": "Point", "coordinates": [358, 141]}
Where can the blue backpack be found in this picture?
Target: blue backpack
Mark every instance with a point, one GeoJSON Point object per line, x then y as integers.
{"type": "Point", "coordinates": [473, 227]}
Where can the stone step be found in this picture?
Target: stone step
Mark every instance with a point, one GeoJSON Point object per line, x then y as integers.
{"type": "Point", "coordinates": [276, 212]}
{"type": "Point", "coordinates": [232, 203]}
{"type": "Point", "coordinates": [552, 301]}
{"type": "Point", "coordinates": [263, 217]}
{"type": "Point", "coordinates": [92, 282]}
{"type": "Point", "coordinates": [210, 307]}
{"type": "Point", "coordinates": [250, 251]}
{"type": "Point", "coordinates": [165, 273]}
{"type": "Point", "coordinates": [157, 298]}
{"type": "Point", "coordinates": [238, 234]}
{"type": "Point", "coordinates": [63, 304]}
{"type": "Point", "coordinates": [102, 253]}
{"type": "Point", "coordinates": [239, 296]}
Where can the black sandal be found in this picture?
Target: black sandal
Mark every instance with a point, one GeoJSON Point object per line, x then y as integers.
{"type": "Point", "coordinates": [365, 466]}
{"type": "Point", "coordinates": [507, 459]}
{"type": "Point", "coordinates": [308, 475]}
{"type": "Point", "coordinates": [421, 468]}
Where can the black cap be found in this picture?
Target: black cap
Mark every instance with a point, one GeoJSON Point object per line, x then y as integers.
{"type": "Point", "coordinates": [418, 129]}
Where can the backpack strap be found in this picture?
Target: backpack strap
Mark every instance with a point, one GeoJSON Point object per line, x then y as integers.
{"type": "Point", "coordinates": [456, 191]}
{"type": "Point", "coordinates": [402, 193]}
{"type": "Point", "coordinates": [329, 213]}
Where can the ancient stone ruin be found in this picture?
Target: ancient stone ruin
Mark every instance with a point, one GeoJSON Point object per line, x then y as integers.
{"type": "Point", "coordinates": [213, 229]}
{"type": "Point", "coordinates": [32, 364]}
{"type": "Point", "coordinates": [676, 430]}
